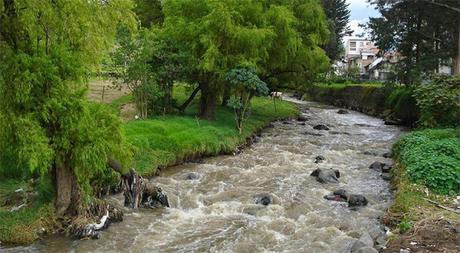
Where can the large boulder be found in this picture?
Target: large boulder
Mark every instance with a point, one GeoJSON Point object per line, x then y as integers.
{"type": "Point", "coordinates": [321, 127]}
{"type": "Point", "coordinates": [326, 175]}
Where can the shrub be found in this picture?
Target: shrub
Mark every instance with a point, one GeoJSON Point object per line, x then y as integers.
{"type": "Point", "coordinates": [403, 104]}
{"type": "Point", "coordinates": [432, 158]}
{"type": "Point", "coordinates": [439, 101]}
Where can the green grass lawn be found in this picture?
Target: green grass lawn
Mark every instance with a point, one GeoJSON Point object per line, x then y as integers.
{"type": "Point", "coordinates": [168, 140]}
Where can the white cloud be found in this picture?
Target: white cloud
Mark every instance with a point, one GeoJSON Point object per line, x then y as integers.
{"type": "Point", "coordinates": [354, 25]}
{"type": "Point", "coordinates": [357, 30]}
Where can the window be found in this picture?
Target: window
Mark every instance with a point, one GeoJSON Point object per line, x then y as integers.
{"type": "Point", "coordinates": [361, 44]}
{"type": "Point", "coordinates": [353, 46]}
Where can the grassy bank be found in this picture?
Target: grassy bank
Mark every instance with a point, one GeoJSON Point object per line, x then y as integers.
{"type": "Point", "coordinates": [426, 177]}
{"type": "Point", "coordinates": [158, 142]}
{"type": "Point", "coordinates": [168, 140]}
{"type": "Point", "coordinates": [33, 220]}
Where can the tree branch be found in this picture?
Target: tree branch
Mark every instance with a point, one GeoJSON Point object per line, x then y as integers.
{"type": "Point", "coordinates": [442, 5]}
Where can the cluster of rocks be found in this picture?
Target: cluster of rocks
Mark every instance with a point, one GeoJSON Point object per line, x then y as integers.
{"type": "Point", "coordinates": [370, 242]}
{"type": "Point", "coordinates": [384, 168]}
{"type": "Point", "coordinates": [353, 200]}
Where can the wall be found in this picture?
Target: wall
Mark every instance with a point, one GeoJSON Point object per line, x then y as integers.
{"type": "Point", "coordinates": [370, 100]}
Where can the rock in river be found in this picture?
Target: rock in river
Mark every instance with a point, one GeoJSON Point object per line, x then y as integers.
{"type": "Point", "coordinates": [321, 127]}
{"type": "Point", "coordinates": [263, 199]}
{"type": "Point", "coordinates": [342, 111]}
{"type": "Point", "coordinates": [377, 166]}
{"type": "Point", "coordinates": [387, 155]}
{"type": "Point", "coordinates": [353, 200]}
{"type": "Point", "coordinates": [320, 159]}
{"type": "Point", "coordinates": [302, 118]}
{"type": "Point", "coordinates": [192, 176]}
{"type": "Point", "coordinates": [326, 175]}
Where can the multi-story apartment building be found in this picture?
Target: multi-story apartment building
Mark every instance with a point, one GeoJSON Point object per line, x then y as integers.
{"type": "Point", "coordinates": [361, 53]}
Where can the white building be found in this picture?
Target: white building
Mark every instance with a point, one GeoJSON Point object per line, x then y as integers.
{"type": "Point", "coordinates": [361, 53]}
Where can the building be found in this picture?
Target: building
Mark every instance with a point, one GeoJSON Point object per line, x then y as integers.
{"type": "Point", "coordinates": [384, 67]}
{"type": "Point", "coordinates": [360, 53]}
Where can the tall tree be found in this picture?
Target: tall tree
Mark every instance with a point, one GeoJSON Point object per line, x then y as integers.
{"type": "Point", "coordinates": [338, 16]}
{"type": "Point", "coordinates": [149, 12]}
{"type": "Point", "coordinates": [48, 127]}
{"type": "Point", "coordinates": [220, 35]}
{"type": "Point", "coordinates": [424, 32]}
{"type": "Point", "coordinates": [280, 38]}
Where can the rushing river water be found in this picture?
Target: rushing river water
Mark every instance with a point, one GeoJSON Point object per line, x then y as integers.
{"type": "Point", "coordinates": [217, 212]}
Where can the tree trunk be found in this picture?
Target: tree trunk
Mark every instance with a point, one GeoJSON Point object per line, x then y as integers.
{"type": "Point", "coordinates": [68, 193]}
{"type": "Point", "coordinates": [189, 100]}
{"type": "Point", "coordinates": [139, 192]}
{"type": "Point", "coordinates": [456, 70]}
{"type": "Point", "coordinates": [207, 101]}
{"type": "Point", "coordinates": [226, 96]}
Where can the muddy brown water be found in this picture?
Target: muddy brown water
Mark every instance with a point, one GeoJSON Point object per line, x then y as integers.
{"type": "Point", "coordinates": [217, 211]}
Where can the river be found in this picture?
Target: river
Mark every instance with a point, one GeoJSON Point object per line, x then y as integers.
{"type": "Point", "coordinates": [217, 212]}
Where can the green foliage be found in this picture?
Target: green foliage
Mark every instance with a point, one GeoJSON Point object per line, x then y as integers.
{"type": "Point", "coordinates": [423, 32]}
{"type": "Point", "coordinates": [149, 12]}
{"type": "Point", "coordinates": [48, 49]}
{"type": "Point", "coordinates": [404, 226]}
{"type": "Point", "coordinates": [338, 15]}
{"type": "Point", "coordinates": [432, 158]}
{"type": "Point", "coordinates": [280, 38]}
{"type": "Point", "coordinates": [403, 105]}
{"type": "Point", "coordinates": [149, 63]}
{"type": "Point", "coordinates": [24, 226]}
{"type": "Point", "coordinates": [246, 84]}
{"type": "Point", "coordinates": [169, 139]}
{"type": "Point", "coordinates": [439, 101]}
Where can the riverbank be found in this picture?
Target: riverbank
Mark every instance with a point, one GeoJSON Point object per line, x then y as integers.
{"type": "Point", "coordinates": [395, 105]}
{"type": "Point", "coordinates": [172, 139]}
{"type": "Point", "coordinates": [426, 176]}
{"type": "Point", "coordinates": [158, 143]}
{"type": "Point", "coordinates": [428, 162]}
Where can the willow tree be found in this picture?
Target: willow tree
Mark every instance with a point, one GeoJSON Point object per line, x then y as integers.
{"type": "Point", "coordinates": [220, 35]}
{"type": "Point", "coordinates": [295, 55]}
{"type": "Point", "coordinates": [48, 127]}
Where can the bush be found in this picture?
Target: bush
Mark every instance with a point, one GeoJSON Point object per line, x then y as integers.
{"type": "Point", "coordinates": [439, 101]}
{"type": "Point", "coordinates": [403, 105]}
{"type": "Point", "coordinates": [432, 158]}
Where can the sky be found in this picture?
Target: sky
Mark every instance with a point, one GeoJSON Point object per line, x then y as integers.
{"type": "Point", "coordinates": [360, 13]}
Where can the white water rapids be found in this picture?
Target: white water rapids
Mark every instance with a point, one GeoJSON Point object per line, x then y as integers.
{"type": "Point", "coordinates": [217, 211]}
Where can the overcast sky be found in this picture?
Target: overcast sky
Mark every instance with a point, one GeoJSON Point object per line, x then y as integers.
{"type": "Point", "coordinates": [360, 13]}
